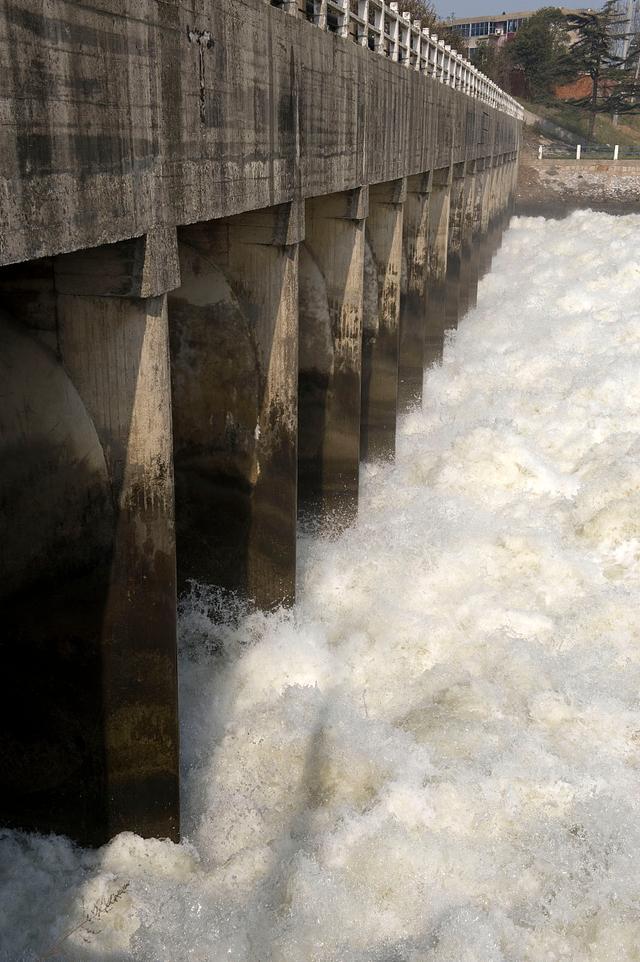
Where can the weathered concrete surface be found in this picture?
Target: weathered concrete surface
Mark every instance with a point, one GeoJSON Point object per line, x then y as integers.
{"type": "Point", "coordinates": [413, 294]}
{"type": "Point", "coordinates": [453, 287]}
{"type": "Point", "coordinates": [468, 250]}
{"type": "Point", "coordinates": [380, 334]}
{"type": "Point", "coordinates": [437, 252]}
{"type": "Point", "coordinates": [329, 386]}
{"type": "Point", "coordinates": [119, 130]}
{"type": "Point", "coordinates": [476, 228]}
{"type": "Point", "coordinates": [117, 354]}
{"type": "Point", "coordinates": [234, 337]}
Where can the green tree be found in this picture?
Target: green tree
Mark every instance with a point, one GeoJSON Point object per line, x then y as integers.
{"type": "Point", "coordinates": [614, 81]}
{"type": "Point", "coordinates": [541, 48]}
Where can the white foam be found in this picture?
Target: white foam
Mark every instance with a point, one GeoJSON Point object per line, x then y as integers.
{"type": "Point", "coordinates": [434, 758]}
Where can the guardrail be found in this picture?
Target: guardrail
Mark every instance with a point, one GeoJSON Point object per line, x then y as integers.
{"type": "Point", "coordinates": [589, 152]}
{"type": "Point", "coordinates": [381, 26]}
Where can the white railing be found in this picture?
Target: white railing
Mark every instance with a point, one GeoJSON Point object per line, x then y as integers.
{"type": "Point", "coordinates": [381, 26]}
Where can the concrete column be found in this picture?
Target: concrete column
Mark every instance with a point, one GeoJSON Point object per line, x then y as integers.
{"type": "Point", "coordinates": [380, 334]}
{"type": "Point", "coordinates": [487, 198]}
{"type": "Point", "coordinates": [495, 188]}
{"type": "Point", "coordinates": [486, 226]}
{"type": "Point", "coordinates": [513, 181]}
{"type": "Point", "coordinates": [454, 253]}
{"type": "Point", "coordinates": [331, 313]}
{"type": "Point", "coordinates": [468, 252]}
{"type": "Point", "coordinates": [476, 230]}
{"type": "Point", "coordinates": [413, 295]}
{"type": "Point", "coordinates": [437, 251]}
{"type": "Point", "coordinates": [94, 745]}
{"type": "Point", "coordinates": [504, 187]}
{"type": "Point", "coordinates": [500, 204]}
{"type": "Point", "coordinates": [234, 328]}
{"type": "Point", "coordinates": [493, 215]}
{"type": "Point", "coordinates": [481, 217]}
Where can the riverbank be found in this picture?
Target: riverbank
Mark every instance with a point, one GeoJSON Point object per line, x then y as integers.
{"type": "Point", "coordinates": [554, 187]}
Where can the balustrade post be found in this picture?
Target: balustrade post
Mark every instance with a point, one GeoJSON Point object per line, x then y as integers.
{"type": "Point", "coordinates": [320, 13]}
{"type": "Point", "coordinates": [405, 32]}
{"type": "Point", "coordinates": [424, 51]}
{"type": "Point", "coordinates": [343, 23]}
{"type": "Point", "coordinates": [394, 30]}
{"type": "Point", "coordinates": [363, 13]}
{"type": "Point", "coordinates": [417, 38]}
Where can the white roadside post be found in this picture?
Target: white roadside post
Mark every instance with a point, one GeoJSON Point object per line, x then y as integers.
{"type": "Point", "coordinates": [578, 151]}
{"type": "Point", "coordinates": [615, 152]}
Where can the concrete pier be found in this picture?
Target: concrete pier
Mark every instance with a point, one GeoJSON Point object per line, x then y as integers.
{"type": "Point", "coordinates": [234, 333]}
{"type": "Point", "coordinates": [329, 395]}
{"type": "Point", "coordinates": [231, 241]}
{"type": "Point", "coordinates": [437, 260]}
{"type": "Point", "coordinates": [91, 665]}
{"type": "Point", "coordinates": [468, 250]}
{"type": "Point", "coordinates": [459, 185]}
{"type": "Point", "coordinates": [486, 209]}
{"type": "Point", "coordinates": [413, 295]}
{"type": "Point", "coordinates": [380, 335]}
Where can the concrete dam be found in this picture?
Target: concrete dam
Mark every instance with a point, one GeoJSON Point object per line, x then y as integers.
{"type": "Point", "coordinates": [233, 233]}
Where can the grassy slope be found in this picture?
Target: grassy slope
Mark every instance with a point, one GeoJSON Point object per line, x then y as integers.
{"type": "Point", "coordinates": [577, 121]}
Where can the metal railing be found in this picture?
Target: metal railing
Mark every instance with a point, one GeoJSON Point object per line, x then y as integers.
{"type": "Point", "coordinates": [589, 152]}
{"type": "Point", "coordinates": [381, 26]}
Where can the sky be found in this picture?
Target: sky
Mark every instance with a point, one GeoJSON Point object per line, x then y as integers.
{"type": "Point", "coordinates": [473, 8]}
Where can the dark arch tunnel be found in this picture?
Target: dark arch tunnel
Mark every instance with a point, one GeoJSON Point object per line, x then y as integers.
{"type": "Point", "coordinates": [86, 563]}
{"type": "Point", "coordinates": [56, 535]}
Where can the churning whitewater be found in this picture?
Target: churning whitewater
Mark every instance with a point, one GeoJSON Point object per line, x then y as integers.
{"type": "Point", "coordinates": [435, 756]}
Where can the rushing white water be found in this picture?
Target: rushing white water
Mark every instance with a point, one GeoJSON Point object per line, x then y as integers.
{"type": "Point", "coordinates": [434, 758]}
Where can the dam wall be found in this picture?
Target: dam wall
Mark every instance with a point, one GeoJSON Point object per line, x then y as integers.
{"type": "Point", "coordinates": [233, 234]}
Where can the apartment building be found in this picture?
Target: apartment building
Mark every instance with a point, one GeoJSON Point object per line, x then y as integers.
{"type": "Point", "coordinates": [497, 26]}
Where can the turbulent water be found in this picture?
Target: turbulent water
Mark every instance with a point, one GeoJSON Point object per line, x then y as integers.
{"type": "Point", "coordinates": [434, 758]}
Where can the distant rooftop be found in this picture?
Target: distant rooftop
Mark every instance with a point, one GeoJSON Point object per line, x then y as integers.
{"type": "Point", "coordinates": [505, 15]}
